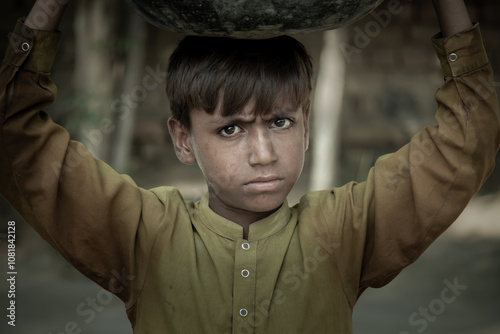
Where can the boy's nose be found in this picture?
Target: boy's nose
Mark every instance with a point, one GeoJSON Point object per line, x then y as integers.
{"type": "Point", "coordinates": [261, 149]}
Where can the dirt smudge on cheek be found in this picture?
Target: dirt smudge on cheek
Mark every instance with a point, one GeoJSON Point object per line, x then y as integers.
{"type": "Point", "coordinates": [218, 170]}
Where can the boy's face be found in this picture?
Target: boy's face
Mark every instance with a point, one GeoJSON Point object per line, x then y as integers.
{"type": "Point", "coordinates": [250, 162]}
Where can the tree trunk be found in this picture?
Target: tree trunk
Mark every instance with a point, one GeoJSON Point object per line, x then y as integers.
{"type": "Point", "coordinates": [125, 118]}
{"type": "Point", "coordinates": [327, 105]}
{"type": "Point", "coordinates": [93, 80]}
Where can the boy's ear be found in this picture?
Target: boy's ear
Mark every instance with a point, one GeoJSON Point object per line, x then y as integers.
{"type": "Point", "coordinates": [181, 138]}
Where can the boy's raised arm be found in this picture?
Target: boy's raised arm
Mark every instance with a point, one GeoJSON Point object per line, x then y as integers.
{"type": "Point", "coordinates": [413, 195]}
{"type": "Point", "coordinates": [90, 214]}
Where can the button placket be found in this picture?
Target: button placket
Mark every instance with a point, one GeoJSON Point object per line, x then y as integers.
{"type": "Point", "coordinates": [244, 284]}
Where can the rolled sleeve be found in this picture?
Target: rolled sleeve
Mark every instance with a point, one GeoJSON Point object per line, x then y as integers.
{"type": "Point", "coordinates": [33, 50]}
{"type": "Point", "coordinates": [461, 53]}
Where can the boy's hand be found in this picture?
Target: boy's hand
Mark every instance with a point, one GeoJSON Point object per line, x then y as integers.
{"type": "Point", "coordinates": [452, 15]}
{"type": "Point", "coordinates": [46, 14]}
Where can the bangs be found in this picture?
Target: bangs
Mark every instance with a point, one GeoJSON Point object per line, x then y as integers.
{"type": "Point", "coordinates": [207, 72]}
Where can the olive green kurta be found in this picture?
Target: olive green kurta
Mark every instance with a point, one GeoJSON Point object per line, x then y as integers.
{"type": "Point", "coordinates": [181, 268]}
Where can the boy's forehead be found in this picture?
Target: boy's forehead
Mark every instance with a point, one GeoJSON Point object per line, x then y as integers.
{"type": "Point", "coordinates": [250, 112]}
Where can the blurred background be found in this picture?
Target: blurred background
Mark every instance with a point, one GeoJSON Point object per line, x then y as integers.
{"type": "Point", "coordinates": [379, 76]}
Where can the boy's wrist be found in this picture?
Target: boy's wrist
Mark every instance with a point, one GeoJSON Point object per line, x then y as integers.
{"type": "Point", "coordinates": [46, 14]}
{"type": "Point", "coordinates": [453, 16]}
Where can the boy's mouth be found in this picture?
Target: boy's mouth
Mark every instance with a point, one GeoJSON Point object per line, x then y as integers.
{"type": "Point", "coordinates": [264, 183]}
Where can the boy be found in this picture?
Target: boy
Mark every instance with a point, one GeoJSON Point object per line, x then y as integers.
{"type": "Point", "coordinates": [241, 260]}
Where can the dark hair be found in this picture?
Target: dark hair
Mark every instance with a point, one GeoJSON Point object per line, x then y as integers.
{"type": "Point", "coordinates": [204, 70]}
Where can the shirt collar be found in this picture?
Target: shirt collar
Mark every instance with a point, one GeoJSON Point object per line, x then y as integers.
{"type": "Point", "coordinates": [259, 230]}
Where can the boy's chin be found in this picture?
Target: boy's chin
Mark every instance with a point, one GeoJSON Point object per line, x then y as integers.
{"type": "Point", "coordinates": [255, 203]}
{"type": "Point", "coordinates": [264, 204]}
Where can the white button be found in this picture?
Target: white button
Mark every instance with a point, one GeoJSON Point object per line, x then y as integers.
{"type": "Point", "coordinates": [245, 273]}
{"type": "Point", "coordinates": [245, 246]}
{"type": "Point", "coordinates": [25, 46]}
{"type": "Point", "coordinates": [243, 312]}
{"type": "Point", "coordinates": [453, 57]}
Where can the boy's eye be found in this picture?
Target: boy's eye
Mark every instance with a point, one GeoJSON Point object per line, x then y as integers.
{"type": "Point", "coordinates": [230, 131]}
{"type": "Point", "coordinates": [283, 123]}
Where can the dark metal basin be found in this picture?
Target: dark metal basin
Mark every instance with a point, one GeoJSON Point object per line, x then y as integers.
{"type": "Point", "coordinates": [251, 18]}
